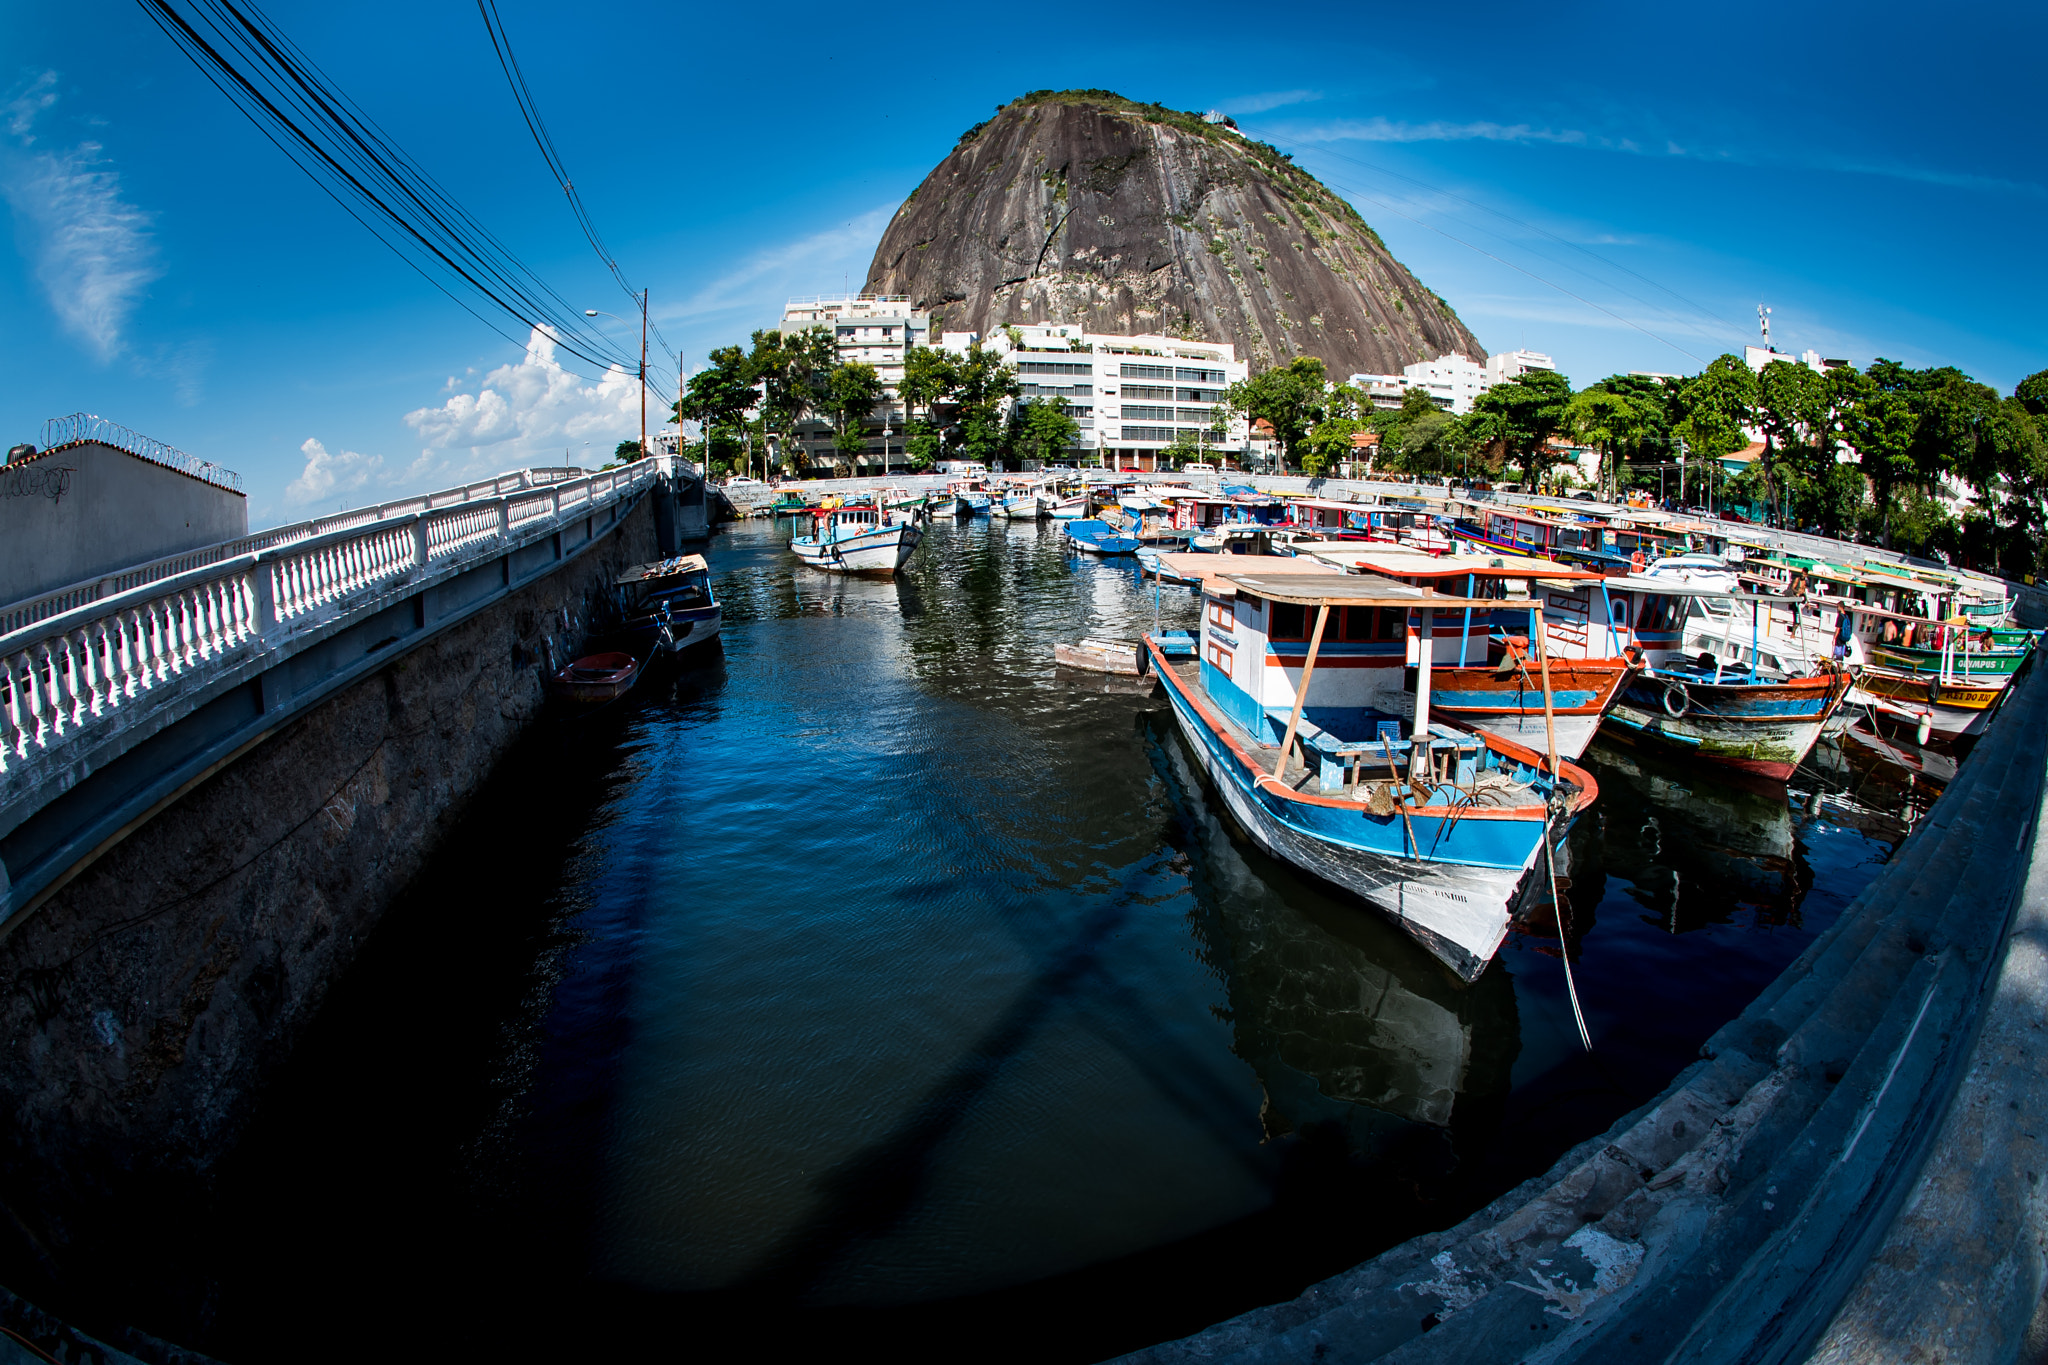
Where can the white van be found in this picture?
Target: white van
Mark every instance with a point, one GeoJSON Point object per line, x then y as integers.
{"type": "Point", "coordinates": [1197, 467]}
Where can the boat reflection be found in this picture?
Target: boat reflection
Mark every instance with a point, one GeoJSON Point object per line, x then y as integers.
{"type": "Point", "coordinates": [1669, 826]}
{"type": "Point", "coordinates": [1349, 1024]}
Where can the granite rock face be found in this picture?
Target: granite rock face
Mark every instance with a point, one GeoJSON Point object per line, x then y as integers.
{"type": "Point", "coordinates": [1083, 208]}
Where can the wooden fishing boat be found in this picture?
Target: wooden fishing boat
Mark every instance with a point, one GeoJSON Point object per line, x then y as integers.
{"type": "Point", "coordinates": [667, 606]}
{"type": "Point", "coordinates": [595, 679]}
{"type": "Point", "coordinates": [1433, 825]}
{"type": "Point", "coordinates": [1098, 538]}
{"type": "Point", "coordinates": [858, 540]}
{"type": "Point", "coordinates": [1733, 716]}
{"type": "Point", "coordinates": [1488, 675]}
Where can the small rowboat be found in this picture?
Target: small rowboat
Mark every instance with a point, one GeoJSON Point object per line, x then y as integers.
{"type": "Point", "coordinates": [1101, 656]}
{"type": "Point", "coordinates": [595, 679]}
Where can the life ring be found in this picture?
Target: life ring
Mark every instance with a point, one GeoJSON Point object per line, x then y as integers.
{"type": "Point", "coordinates": [1675, 692]}
{"type": "Point", "coordinates": [1636, 562]}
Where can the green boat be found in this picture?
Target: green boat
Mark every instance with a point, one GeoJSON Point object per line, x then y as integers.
{"type": "Point", "coordinates": [1978, 663]}
{"type": "Point", "coordinates": [788, 504]}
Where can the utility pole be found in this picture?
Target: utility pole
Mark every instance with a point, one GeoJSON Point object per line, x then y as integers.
{"type": "Point", "coordinates": [644, 451]}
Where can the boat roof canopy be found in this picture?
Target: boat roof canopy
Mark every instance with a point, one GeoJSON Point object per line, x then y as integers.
{"type": "Point", "coordinates": [1326, 589]}
{"type": "Point", "coordinates": [1672, 587]}
{"type": "Point", "coordinates": [663, 568]}
{"type": "Point", "coordinates": [1395, 561]}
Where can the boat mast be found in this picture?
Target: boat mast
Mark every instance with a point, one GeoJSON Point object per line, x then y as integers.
{"type": "Point", "coordinates": [1425, 648]}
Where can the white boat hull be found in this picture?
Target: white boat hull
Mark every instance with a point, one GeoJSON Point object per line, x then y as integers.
{"type": "Point", "coordinates": [1457, 911]}
{"type": "Point", "coordinates": [1574, 733]}
{"type": "Point", "coordinates": [1070, 509]}
{"type": "Point", "coordinates": [880, 551]}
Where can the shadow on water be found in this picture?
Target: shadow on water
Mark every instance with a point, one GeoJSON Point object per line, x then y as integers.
{"type": "Point", "coordinates": [874, 987]}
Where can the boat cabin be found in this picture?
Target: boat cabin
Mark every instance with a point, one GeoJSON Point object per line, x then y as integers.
{"type": "Point", "coordinates": [679, 584]}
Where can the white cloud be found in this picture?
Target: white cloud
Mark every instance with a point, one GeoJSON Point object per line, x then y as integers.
{"type": "Point", "coordinates": [92, 249]}
{"type": "Point", "coordinates": [768, 279]}
{"type": "Point", "coordinates": [531, 412]}
{"type": "Point", "coordinates": [1378, 129]}
{"type": "Point", "coordinates": [1276, 99]}
{"type": "Point", "coordinates": [326, 475]}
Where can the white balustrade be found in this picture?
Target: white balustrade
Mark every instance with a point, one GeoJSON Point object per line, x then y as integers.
{"type": "Point", "coordinates": [67, 663]}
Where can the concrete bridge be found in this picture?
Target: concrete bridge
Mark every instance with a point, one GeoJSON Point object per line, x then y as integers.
{"type": "Point", "coordinates": [218, 770]}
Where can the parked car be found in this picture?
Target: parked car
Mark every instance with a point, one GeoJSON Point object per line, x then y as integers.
{"type": "Point", "coordinates": [742, 481]}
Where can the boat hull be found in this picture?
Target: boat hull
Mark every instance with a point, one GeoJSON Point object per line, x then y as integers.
{"type": "Point", "coordinates": [1454, 903]}
{"type": "Point", "coordinates": [1070, 509]}
{"type": "Point", "coordinates": [881, 551]}
{"type": "Point", "coordinates": [1582, 691]}
{"type": "Point", "coordinates": [1766, 730]}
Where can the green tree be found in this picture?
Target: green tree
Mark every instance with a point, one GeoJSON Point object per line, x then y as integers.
{"type": "Point", "coordinates": [1608, 422]}
{"type": "Point", "coordinates": [1291, 397]}
{"type": "Point", "coordinates": [720, 396]}
{"type": "Point", "coordinates": [1330, 441]}
{"type": "Point", "coordinates": [1434, 443]}
{"type": "Point", "coordinates": [1184, 447]}
{"type": "Point", "coordinates": [627, 451]}
{"type": "Point", "coordinates": [1516, 420]}
{"type": "Point", "coordinates": [851, 392]}
{"type": "Point", "coordinates": [1880, 422]}
{"type": "Point", "coordinates": [983, 385]}
{"type": "Point", "coordinates": [1040, 428]}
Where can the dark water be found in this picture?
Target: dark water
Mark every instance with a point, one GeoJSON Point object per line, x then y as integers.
{"type": "Point", "coordinates": [868, 985]}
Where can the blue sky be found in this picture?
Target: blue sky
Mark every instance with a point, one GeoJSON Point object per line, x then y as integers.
{"type": "Point", "coordinates": [1619, 186]}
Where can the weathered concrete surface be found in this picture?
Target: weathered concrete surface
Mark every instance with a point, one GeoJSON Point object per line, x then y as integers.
{"type": "Point", "coordinates": [1962, 1270]}
{"type": "Point", "coordinates": [1081, 209]}
{"type": "Point", "coordinates": [1753, 1212]}
{"type": "Point", "coordinates": [55, 506]}
{"type": "Point", "coordinates": [146, 1002]}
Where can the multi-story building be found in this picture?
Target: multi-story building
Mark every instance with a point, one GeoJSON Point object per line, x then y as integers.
{"type": "Point", "coordinates": [1381, 390]}
{"type": "Point", "coordinates": [874, 328]}
{"type": "Point", "coordinates": [1452, 380]}
{"type": "Point", "coordinates": [1131, 395]}
{"type": "Point", "coordinates": [1513, 364]}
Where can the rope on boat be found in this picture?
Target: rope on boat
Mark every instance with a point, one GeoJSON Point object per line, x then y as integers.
{"type": "Point", "coordinates": [1564, 940]}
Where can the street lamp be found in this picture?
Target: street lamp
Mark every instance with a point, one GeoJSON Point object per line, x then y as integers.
{"type": "Point", "coordinates": [594, 313]}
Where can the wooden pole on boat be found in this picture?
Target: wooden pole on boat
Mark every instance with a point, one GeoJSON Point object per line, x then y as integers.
{"type": "Point", "coordinates": [1543, 662]}
{"type": "Point", "coordinates": [1308, 667]}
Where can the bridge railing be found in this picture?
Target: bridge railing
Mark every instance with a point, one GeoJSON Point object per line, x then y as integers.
{"type": "Point", "coordinates": [107, 665]}
{"type": "Point", "coordinates": [17, 615]}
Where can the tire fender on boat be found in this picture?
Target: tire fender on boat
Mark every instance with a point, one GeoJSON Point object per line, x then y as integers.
{"type": "Point", "coordinates": [1677, 701]}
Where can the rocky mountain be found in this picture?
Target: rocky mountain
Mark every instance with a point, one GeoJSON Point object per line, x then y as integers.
{"type": "Point", "coordinates": [1082, 207]}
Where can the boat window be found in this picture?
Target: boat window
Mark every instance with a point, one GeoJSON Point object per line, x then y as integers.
{"type": "Point", "coordinates": [1287, 621]}
{"type": "Point", "coordinates": [1357, 624]}
{"type": "Point", "coordinates": [1617, 610]}
{"type": "Point", "coordinates": [1219, 614]}
{"type": "Point", "coordinates": [1220, 657]}
{"type": "Point", "coordinates": [1659, 612]}
{"type": "Point", "coordinates": [1393, 622]}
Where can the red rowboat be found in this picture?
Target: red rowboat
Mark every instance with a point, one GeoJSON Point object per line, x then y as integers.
{"type": "Point", "coordinates": [595, 679]}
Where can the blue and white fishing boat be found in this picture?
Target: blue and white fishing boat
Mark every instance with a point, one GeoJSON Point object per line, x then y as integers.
{"type": "Point", "coordinates": [667, 606]}
{"type": "Point", "coordinates": [1350, 779]}
{"type": "Point", "coordinates": [970, 497]}
{"type": "Point", "coordinates": [1068, 506]}
{"type": "Point", "coordinates": [1018, 504]}
{"type": "Point", "coordinates": [1099, 538]}
{"type": "Point", "coordinates": [858, 540]}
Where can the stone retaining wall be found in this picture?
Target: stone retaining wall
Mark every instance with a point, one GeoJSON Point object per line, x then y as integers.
{"type": "Point", "coordinates": [148, 999]}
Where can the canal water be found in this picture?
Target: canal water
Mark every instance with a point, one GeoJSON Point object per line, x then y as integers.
{"type": "Point", "coordinates": [868, 983]}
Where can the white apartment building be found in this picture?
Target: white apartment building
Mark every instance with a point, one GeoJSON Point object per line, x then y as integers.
{"type": "Point", "coordinates": [1510, 364]}
{"type": "Point", "coordinates": [1381, 390]}
{"type": "Point", "coordinates": [1131, 394]}
{"type": "Point", "coordinates": [877, 329]}
{"type": "Point", "coordinates": [1452, 380]}
{"type": "Point", "coordinates": [1756, 357]}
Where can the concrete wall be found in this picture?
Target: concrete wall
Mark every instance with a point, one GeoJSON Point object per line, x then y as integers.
{"type": "Point", "coordinates": [80, 511]}
{"type": "Point", "coordinates": [147, 1001]}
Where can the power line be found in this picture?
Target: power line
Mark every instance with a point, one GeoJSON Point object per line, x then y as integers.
{"type": "Point", "coordinates": [529, 110]}
{"type": "Point", "coordinates": [286, 96]}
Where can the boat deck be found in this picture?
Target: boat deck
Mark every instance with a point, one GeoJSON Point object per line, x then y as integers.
{"type": "Point", "coordinates": [1364, 771]}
